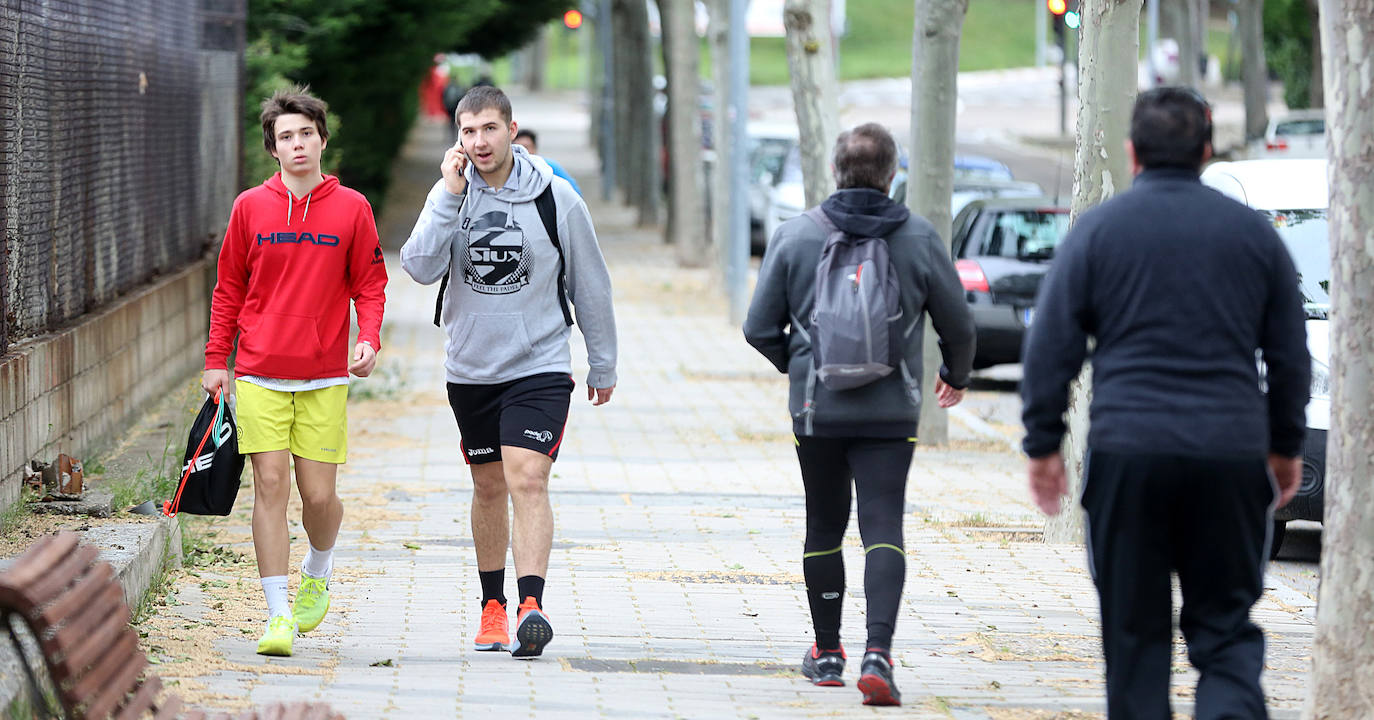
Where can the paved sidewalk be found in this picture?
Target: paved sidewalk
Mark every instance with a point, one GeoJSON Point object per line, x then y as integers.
{"type": "Point", "coordinates": [675, 588]}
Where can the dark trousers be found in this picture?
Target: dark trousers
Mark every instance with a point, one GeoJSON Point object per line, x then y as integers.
{"type": "Point", "coordinates": [1209, 520]}
{"type": "Point", "coordinates": [876, 468]}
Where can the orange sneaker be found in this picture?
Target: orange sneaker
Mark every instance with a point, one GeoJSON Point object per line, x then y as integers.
{"type": "Point", "coordinates": [532, 630]}
{"type": "Point", "coordinates": [494, 632]}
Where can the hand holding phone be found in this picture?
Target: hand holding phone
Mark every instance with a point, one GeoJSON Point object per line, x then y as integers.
{"type": "Point", "coordinates": [455, 162]}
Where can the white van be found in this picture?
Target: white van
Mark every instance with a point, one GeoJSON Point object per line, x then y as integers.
{"type": "Point", "coordinates": [1294, 195]}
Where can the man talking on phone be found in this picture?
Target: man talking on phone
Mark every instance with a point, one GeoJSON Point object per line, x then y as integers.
{"type": "Point", "coordinates": [518, 257]}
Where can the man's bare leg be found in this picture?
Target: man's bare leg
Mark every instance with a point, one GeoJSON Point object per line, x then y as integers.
{"type": "Point", "coordinates": [322, 511]}
{"type": "Point", "coordinates": [490, 516]}
{"type": "Point", "coordinates": [527, 476]}
{"type": "Point", "coordinates": [271, 489]}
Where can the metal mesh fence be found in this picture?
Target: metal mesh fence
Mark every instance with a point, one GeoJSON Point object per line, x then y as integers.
{"type": "Point", "coordinates": [103, 150]}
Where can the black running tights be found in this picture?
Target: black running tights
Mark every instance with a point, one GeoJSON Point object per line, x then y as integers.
{"type": "Point", "coordinates": [877, 468]}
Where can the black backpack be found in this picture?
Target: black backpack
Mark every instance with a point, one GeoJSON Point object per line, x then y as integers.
{"type": "Point", "coordinates": [548, 212]}
{"type": "Point", "coordinates": [210, 476]}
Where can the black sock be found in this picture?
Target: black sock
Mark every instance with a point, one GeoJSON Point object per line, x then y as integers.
{"type": "Point", "coordinates": [493, 582]}
{"type": "Point", "coordinates": [825, 591]}
{"type": "Point", "coordinates": [531, 586]}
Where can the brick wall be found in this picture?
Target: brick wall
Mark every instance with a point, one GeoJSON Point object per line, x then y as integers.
{"type": "Point", "coordinates": [72, 391]}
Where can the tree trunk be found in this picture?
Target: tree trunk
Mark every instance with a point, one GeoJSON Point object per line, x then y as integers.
{"type": "Point", "coordinates": [930, 180]}
{"type": "Point", "coordinates": [1343, 649]}
{"type": "Point", "coordinates": [681, 47]}
{"type": "Point", "coordinates": [1201, 60]}
{"type": "Point", "coordinates": [1177, 19]}
{"type": "Point", "coordinates": [634, 69]}
{"type": "Point", "coordinates": [1316, 96]}
{"type": "Point", "coordinates": [719, 196]}
{"type": "Point", "coordinates": [811, 63]}
{"type": "Point", "coordinates": [538, 58]}
{"type": "Point", "coordinates": [1254, 69]}
{"type": "Point", "coordinates": [620, 68]}
{"type": "Point", "coordinates": [1106, 93]}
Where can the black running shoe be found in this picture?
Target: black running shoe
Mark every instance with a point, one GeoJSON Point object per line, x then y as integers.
{"type": "Point", "coordinates": [875, 680]}
{"type": "Point", "coordinates": [824, 667]}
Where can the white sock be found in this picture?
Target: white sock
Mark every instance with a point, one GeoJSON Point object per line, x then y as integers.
{"type": "Point", "coordinates": [318, 563]}
{"type": "Point", "coordinates": [274, 588]}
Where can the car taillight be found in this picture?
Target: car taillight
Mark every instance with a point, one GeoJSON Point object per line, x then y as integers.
{"type": "Point", "coordinates": [1278, 143]}
{"type": "Point", "coordinates": [971, 275]}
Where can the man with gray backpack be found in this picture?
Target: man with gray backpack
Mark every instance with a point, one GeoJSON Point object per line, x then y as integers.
{"type": "Point", "coordinates": [839, 307]}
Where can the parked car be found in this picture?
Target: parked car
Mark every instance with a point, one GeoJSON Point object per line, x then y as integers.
{"type": "Point", "coordinates": [1295, 134]}
{"type": "Point", "coordinates": [974, 176]}
{"type": "Point", "coordinates": [1293, 195]}
{"type": "Point", "coordinates": [1002, 248]}
{"type": "Point", "coordinates": [971, 185]}
{"type": "Point", "coordinates": [770, 144]}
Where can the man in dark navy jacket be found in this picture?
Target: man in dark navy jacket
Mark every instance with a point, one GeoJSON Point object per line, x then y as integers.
{"type": "Point", "coordinates": [1189, 450]}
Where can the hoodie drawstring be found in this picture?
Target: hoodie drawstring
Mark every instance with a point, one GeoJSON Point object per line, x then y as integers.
{"type": "Point", "coordinates": [290, 204]}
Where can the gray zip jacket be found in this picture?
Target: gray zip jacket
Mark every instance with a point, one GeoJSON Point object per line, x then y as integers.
{"type": "Point", "coordinates": [888, 407]}
{"type": "Point", "coordinates": [501, 312]}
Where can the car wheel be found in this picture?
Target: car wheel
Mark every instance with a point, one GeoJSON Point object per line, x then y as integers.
{"type": "Point", "coordinates": [1276, 538]}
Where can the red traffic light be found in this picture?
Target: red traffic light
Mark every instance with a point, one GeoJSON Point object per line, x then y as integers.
{"type": "Point", "coordinates": [572, 19]}
{"type": "Point", "coordinates": [1057, 7]}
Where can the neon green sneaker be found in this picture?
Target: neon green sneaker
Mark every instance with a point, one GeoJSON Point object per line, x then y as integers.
{"type": "Point", "coordinates": [276, 640]}
{"type": "Point", "coordinates": [312, 602]}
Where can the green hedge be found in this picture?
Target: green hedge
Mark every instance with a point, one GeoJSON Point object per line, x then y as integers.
{"type": "Point", "coordinates": [1288, 48]}
{"type": "Point", "coordinates": [366, 58]}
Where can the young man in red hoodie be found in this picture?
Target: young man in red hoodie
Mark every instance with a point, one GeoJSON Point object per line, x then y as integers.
{"type": "Point", "coordinates": [298, 248]}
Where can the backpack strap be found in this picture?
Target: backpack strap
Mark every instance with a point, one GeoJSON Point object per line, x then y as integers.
{"type": "Point", "coordinates": [819, 217]}
{"type": "Point", "coordinates": [439, 300]}
{"type": "Point", "coordinates": [443, 284]}
{"type": "Point", "coordinates": [548, 212]}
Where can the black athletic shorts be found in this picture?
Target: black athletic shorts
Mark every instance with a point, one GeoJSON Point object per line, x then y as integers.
{"type": "Point", "coordinates": [529, 413]}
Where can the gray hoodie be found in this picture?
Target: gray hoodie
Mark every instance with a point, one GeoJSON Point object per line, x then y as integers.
{"type": "Point", "coordinates": [501, 311]}
{"type": "Point", "coordinates": [929, 285]}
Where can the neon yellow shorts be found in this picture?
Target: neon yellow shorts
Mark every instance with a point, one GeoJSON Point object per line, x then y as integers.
{"type": "Point", "coordinates": [312, 424]}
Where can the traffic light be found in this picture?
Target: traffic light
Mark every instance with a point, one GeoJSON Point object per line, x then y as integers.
{"type": "Point", "coordinates": [1058, 9]}
{"type": "Point", "coordinates": [572, 19]}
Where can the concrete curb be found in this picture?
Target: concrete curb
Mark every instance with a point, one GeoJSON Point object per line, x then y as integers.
{"type": "Point", "coordinates": [139, 551]}
{"type": "Point", "coordinates": [981, 427]}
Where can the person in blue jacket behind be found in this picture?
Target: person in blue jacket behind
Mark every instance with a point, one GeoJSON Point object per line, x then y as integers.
{"type": "Point", "coordinates": [528, 140]}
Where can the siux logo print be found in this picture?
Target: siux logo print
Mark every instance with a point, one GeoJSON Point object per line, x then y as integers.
{"type": "Point", "coordinates": [497, 258]}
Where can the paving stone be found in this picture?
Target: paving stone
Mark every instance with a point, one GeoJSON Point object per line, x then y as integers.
{"type": "Point", "coordinates": [675, 585]}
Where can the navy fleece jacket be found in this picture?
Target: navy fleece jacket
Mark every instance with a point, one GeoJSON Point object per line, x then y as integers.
{"type": "Point", "coordinates": [1182, 288]}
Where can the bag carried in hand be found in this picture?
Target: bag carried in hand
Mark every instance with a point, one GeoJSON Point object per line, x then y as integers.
{"type": "Point", "coordinates": [210, 475]}
{"type": "Point", "coordinates": [855, 338]}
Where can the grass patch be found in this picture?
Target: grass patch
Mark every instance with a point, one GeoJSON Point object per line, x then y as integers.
{"type": "Point", "coordinates": [145, 463]}
{"type": "Point", "coordinates": [14, 515]}
{"type": "Point", "coordinates": [149, 482]}
{"type": "Point", "coordinates": [996, 34]}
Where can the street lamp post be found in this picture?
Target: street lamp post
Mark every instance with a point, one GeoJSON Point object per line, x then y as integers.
{"type": "Point", "coordinates": [738, 266]}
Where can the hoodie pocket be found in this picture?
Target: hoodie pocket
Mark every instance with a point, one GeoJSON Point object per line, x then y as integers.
{"type": "Point", "coordinates": [284, 339]}
{"type": "Point", "coordinates": [491, 344]}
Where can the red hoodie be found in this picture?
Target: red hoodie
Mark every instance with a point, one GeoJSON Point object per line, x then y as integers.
{"type": "Point", "coordinates": [287, 270]}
